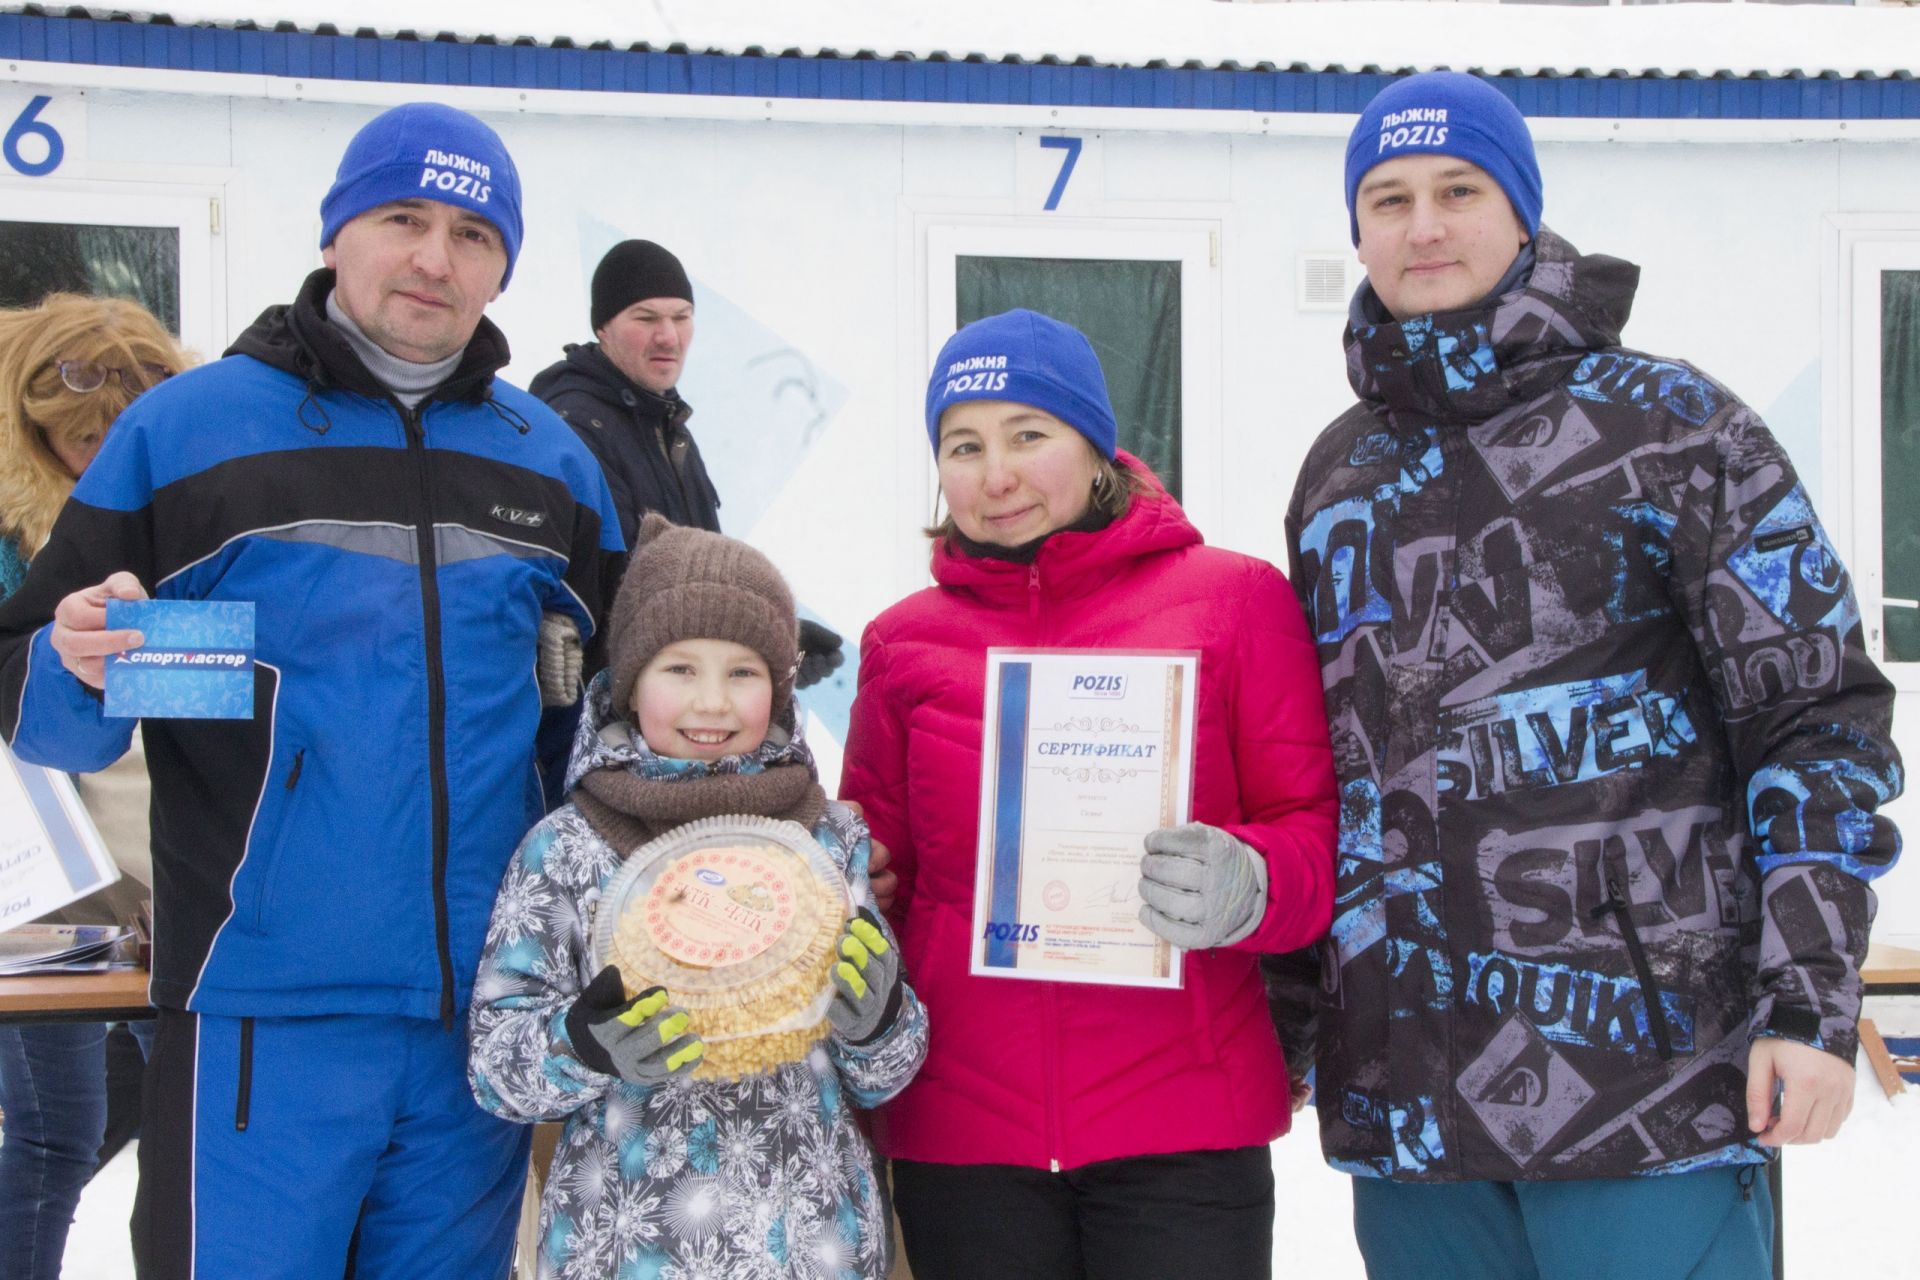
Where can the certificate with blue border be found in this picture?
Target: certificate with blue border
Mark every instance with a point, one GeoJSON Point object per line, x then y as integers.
{"type": "Point", "coordinates": [1084, 752]}
{"type": "Point", "coordinates": [50, 854]}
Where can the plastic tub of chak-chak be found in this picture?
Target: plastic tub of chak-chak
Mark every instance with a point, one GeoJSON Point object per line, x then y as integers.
{"type": "Point", "coordinates": [736, 917]}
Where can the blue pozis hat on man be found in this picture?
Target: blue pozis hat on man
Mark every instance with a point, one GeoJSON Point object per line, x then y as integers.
{"type": "Point", "coordinates": [1027, 358]}
{"type": "Point", "coordinates": [426, 150]}
{"type": "Point", "coordinates": [1450, 114]}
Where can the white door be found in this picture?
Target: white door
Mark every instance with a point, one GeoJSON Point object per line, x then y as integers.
{"type": "Point", "coordinates": [1147, 294]}
{"type": "Point", "coordinates": [1881, 303]}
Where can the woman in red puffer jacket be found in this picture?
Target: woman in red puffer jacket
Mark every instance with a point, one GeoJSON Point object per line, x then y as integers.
{"type": "Point", "coordinates": [1065, 1130]}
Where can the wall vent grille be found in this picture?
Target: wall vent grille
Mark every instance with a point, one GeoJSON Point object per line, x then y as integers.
{"type": "Point", "coordinates": [1322, 281]}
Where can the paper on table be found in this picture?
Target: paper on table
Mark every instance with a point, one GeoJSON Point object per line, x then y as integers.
{"type": "Point", "coordinates": [62, 948]}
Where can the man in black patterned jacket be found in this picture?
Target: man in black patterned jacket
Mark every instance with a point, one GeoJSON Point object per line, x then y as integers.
{"type": "Point", "coordinates": [1610, 748]}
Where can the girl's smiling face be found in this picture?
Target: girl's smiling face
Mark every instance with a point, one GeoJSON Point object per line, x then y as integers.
{"type": "Point", "coordinates": [703, 699]}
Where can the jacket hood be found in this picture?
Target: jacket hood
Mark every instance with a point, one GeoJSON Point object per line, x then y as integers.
{"type": "Point", "coordinates": [587, 370]}
{"type": "Point", "coordinates": [1073, 563]}
{"type": "Point", "coordinates": [1466, 366]}
{"type": "Point", "coordinates": [604, 740]}
{"type": "Point", "coordinates": [297, 338]}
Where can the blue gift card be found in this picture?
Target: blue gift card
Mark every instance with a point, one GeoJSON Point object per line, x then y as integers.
{"type": "Point", "coordinates": [196, 664]}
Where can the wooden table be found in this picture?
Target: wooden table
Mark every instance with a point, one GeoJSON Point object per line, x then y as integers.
{"type": "Point", "coordinates": [118, 995]}
{"type": "Point", "coordinates": [1891, 970]}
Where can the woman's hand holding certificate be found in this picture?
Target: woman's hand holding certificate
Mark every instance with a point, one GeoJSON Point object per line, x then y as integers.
{"type": "Point", "coordinates": [1201, 887]}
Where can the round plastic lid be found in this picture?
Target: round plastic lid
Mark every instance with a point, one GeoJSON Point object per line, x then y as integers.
{"type": "Point", "coordinates": [717, 905]}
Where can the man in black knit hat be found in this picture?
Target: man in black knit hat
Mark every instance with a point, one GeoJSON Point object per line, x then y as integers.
{"type": "Point", "coordinates": [620, 395]}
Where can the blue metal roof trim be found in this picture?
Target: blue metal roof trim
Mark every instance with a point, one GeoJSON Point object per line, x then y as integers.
{"type": "Point", "coordinates": [304, 55]}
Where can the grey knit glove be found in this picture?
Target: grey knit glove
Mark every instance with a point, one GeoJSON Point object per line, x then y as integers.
{"type": "Point", "coordinates": [1201, 887]}
{"type": "Point", "coordinates": [867, 983]}
{"type": "Point", "coordinates": [558, 664]}
{"type": "Point", "coordinates": [642, 1040]}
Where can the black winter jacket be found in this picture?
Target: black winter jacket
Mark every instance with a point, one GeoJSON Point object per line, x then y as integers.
{"type": "Point", "coordinates": [641, 439]}
{"type": "Point", "coordinates": [1611, 752]}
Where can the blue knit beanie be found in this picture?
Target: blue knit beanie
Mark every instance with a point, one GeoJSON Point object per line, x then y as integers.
{"type": "Point", "coordinates": [1449, 114]}
{"type": "Point", "coordinates": [1029, 359]}
{"type": "Point", "coordinates": [429, 151]}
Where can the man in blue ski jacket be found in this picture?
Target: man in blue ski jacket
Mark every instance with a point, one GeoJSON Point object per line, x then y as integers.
{"type": "Point", "coordinates": [324, 871]}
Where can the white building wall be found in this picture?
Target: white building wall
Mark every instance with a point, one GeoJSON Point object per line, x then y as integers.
{"type": "Point", "coordinates": [809, 231]}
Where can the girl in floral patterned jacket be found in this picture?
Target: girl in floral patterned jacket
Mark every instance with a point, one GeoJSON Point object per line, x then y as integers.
{"type": "Point", "coordinates": [659, 1174]}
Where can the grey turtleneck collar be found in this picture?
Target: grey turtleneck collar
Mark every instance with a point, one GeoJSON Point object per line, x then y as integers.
{"type": "Point", "coordinates": [410, 383]}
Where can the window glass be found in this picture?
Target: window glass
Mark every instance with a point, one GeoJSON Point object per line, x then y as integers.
{"type": "Point", "coordinates": [140, 263]}
{"type": "Point", "coordinates": [1900, 457]}
{"type": "Point", "coordinates": [1129, 310]}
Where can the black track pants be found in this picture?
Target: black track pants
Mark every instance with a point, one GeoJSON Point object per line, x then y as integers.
{"type": "Point", "coordinates": [1166, 1217]}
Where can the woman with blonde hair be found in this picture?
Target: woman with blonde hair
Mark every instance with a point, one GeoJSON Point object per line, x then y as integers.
{"type": "Point", "coordinates": [67, 368]}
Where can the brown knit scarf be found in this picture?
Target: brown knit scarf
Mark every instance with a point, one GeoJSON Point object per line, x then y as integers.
{"type": "Point", "coordinates": [628, 810]}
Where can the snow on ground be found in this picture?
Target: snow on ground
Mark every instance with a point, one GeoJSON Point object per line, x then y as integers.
{"type": "Point", "coordinates": [97, 1245]}
{"type": "Point", "coordinates": [1849, 1202]}
{"type": "Point", "coordinates": [1667, 38]}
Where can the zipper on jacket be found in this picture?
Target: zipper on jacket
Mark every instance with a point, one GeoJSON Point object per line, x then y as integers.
{"type": "Point", "coordinates": [1618, 903]}
{"type": "Point", "coordinates": [670, 433]}
{"type": "Point", "coordinates": [243, 1103]}
{"type": "Point", "coordinates": [677, 444]}
{"type": "Point", "coordinates": [1428, 380]}
{"type": "Point", "coordinates": [1033, 591]}
{"type": "Point", "coordinates": [423, 531]}
{"type": "Point", "coordinates": [1049, 1095]}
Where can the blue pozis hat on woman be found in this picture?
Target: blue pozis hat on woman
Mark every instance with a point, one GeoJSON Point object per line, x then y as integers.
{"type": "Point", "coordinates": [1030, 359]}
{"type": "Point", "coordinates": [1449, 114]}
{"type": "Point", "coordinates": [426, 150]}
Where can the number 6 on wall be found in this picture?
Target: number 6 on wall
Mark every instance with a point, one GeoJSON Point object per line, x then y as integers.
{"type": "Point", "coordinates": [1057, 143]}
{"type": "Point", "coordinates": [28, 124]}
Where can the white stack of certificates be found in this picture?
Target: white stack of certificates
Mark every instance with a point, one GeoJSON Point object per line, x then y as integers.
{"type": "Point", "coordinates": [64, 948]}
{"type": "Point", "coordinates": [50, 853]}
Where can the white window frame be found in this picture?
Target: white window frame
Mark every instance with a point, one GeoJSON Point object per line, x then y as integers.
{"type": "Point", "coordinates": [1194, 243]}
{"type": "Point", "coordinates": [192, 211]}
{"type": "Point", "coordinates": [1860, 249]}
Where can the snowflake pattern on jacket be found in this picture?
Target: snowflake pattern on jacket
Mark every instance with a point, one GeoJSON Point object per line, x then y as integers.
{"type": "Point", "coordinates": [764, 1178]}
{"type": "Point", "coordinates": [1612, 755]}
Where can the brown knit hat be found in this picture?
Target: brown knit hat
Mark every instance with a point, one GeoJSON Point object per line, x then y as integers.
{"type": "Point", "coordinates": [688, 584]}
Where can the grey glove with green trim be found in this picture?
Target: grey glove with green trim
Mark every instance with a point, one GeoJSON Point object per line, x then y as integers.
{"type": "Point", "coordinates": [867, 984]}
{"type": "Point", "coordinates": [642, 1041]}
{"type": "Point", "coordinates": [1201, 887]}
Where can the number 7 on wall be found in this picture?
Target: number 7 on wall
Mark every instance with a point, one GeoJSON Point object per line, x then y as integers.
{"type": "Point", "coordinates": [1072, 147]}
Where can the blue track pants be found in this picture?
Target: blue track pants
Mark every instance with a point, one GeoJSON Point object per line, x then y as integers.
{"type": "Point", "coordinates": [270, 1144]}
